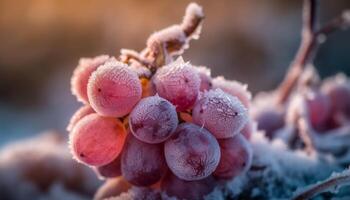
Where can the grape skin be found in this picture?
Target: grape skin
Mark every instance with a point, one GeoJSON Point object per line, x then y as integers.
{"type": "Point", "coordinates": [97, 140]}
{"type": "Point", "coordinates": [142, 164]}
{"type": "Point", "coordinates": [222, 114]}
{"type": "Point", "coordinates": [192, 153]}
{"type": "Point", "coordinates": [153, 120]}
{"type": "Point", "coordinates": [179, 83]}
{"type": "Point", "coordinates": [173, 186]}
{"type": "Point", "coordinates": [78, 115]}
{"type": "Point", "coordinates": [82, 74]}
{"type": "Point", "coordinates": [319, 107]}
{"type": "Point", "coordinates": [236, 157]}
{"type": "Point", "coordinates": [205, 77]}
{"type": "Point", "coordinates": [114, 89]}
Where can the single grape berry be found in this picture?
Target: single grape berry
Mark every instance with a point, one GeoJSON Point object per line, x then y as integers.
{"type": "Point", "coordinates": [179, 83]}
{"type": "Point", "coordinates": [269, 120]}
{"type": "Point", "coordinates": [97, 140]}
{"type": "Point", "coordinates": [78, 115]}
{"type": "Point", "coordinates": [205, 77]}
{"type": "Point", "coordinates": [82, 74]}
{"type": "Point", "coordinates": [236, 157]}
{"type": "Point", "coordinates": [142, 164]}
{"type": "Point", "coordinates": [110, 170]}
{"type": "Point", "coordinates": [234, 88]}
{"type": "Point", "coordinates": [192, 153]}
{"type": "Point", "coordinates": [175, 187]}
{"type": "Point", "coordinates": [222, 114]}
{"type": "Point", "coordinates": [319, 107]}
{"type": "Point", "coordinates": [114, 89]}
{"type": "Point", "coordinates": [153, 120]}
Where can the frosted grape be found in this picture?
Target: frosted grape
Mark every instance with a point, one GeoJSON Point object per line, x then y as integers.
{"type": "Point", "coordinates": [78, 115]}
{"type": "Point", "coordinates": [153, 120]}
{"type": "Point", "coordinates": [97, 140]}
{"type": "Point", "coordinates": [111, 188]}
{"type": "Point", "coordinates": [175, 187]}
{"type": "Point", "coordinates": [269, 119]}
{"type": "Point", "coordinates": [114, 89]}
{"type": "Point", "coordinates": [142, 164]}
{"type": "Point", "coordinates": [222, 114]}
{"type": "Point", "coordinates": [179, 83]}
{"type": "Point", "coordinates": [234, 88]}
{"type": "Point", "coordinates": [236, 157]}
{"type": "Point", "coordinates": [110, 170]}
{"type": "Point", "coordinates": [249, 129]}
{"type": "Point", "coordinates": [82, 74]}
{"type": "Point", "coordinates": [205, 77]}
{"type": "Point", "coordinates": [192, 153]}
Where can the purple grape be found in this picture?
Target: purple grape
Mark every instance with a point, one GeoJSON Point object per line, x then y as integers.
{"type": "Point", "coordinates": [222, 114]}
{"type": "Point", "coordinates": [192, 153]}
{"type": "Point", "coordinates": [319, 107]}
{"type": "Point", "coordinates": [179, 83]}
{"type": "Point", "coordinates": [175, 187]}
{"type": "Point", "coordinates": [269, 120]}
{"type": "Point", "coordinates": [236, 157]}
{"type": "Point", "coordinates": [114, 89]}
{"type": "Point", "coordinates": [153, 120]}
{"type": "Point", "coordinates": [142, 164]}
{"type": "Point", "coordinates": [111, 170]}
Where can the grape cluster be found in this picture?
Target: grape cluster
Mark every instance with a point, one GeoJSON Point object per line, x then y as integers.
{"type": "Point", "coordinates": [159, 122]}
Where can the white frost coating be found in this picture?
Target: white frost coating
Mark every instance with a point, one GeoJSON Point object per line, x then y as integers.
{"type": "Point", "coordinates": [234, 88]}
{"type": "Point", "coordinates": [193, 13]}
{"type": "Point", "coordinates": [114, 89]}
{"type": "Point", "coordinates": [43, 155]}
{"type": "Point", "coordinates": [179, 83]}
{"type": "Point", "coordinates": [222, 114]}
{"type": "Point", "coordinates": [331, 184]}
{"type": "Point", "coordinates": [173, 35]}
{"type": "Point", "coordinates": [205, 76]}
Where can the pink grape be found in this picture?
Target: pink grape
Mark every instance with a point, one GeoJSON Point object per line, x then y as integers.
{"type": "Point", "coordinates": [205, 77]}
{"type": "Point", "coordinates": [114, 89]}
{"type": "Point", "coordinates": [78, 115]}
{"type": "Point", "coordinates": [110, 170]}
{"type": "Point", "coordinates": [175, 187]}
{"type": "Point", "coordinates": [319, 107]}
{"type": "Point", "coordinates": [192, 153]}
{"type": "Point", "coordinates": [222, 114]}
{"type": "Point", "coordinates": [97, 140]}
{"type": "Point", "coordinates": [179, 83]}
{"type": "Point", "coordinates": [153, 120]}
{"type": "Point", "coordinates": [234, 88]}
{"type": "Point", "coordinates": [236, 157]}
{"type": "Point", "coordinates": [142, 164]}
{"type": "Point", "coordinates": [82, 74]}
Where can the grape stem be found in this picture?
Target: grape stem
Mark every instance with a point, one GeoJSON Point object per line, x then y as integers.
{"type": "Point", "coordinates": [330, 184]}
{"type": "Point", "coordinates": [309, 44]}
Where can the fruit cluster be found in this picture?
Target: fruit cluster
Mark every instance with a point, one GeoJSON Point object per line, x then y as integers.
{"type": "Point", "coordinates": [161, 122]}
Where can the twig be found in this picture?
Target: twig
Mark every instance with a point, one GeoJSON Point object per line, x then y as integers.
{"type": "Point", "coordinates": [330, 184]}
{"type": "Point", "coordinates": [309, 44]}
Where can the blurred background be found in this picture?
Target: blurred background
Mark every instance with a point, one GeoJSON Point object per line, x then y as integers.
{"type": "Point", "coordinates": [41, 42]}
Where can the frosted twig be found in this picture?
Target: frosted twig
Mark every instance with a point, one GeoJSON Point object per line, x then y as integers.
{"type": "Point", "coordinates": [331, 184]}
{"type": "Point", "coordinates": [308, 46]}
